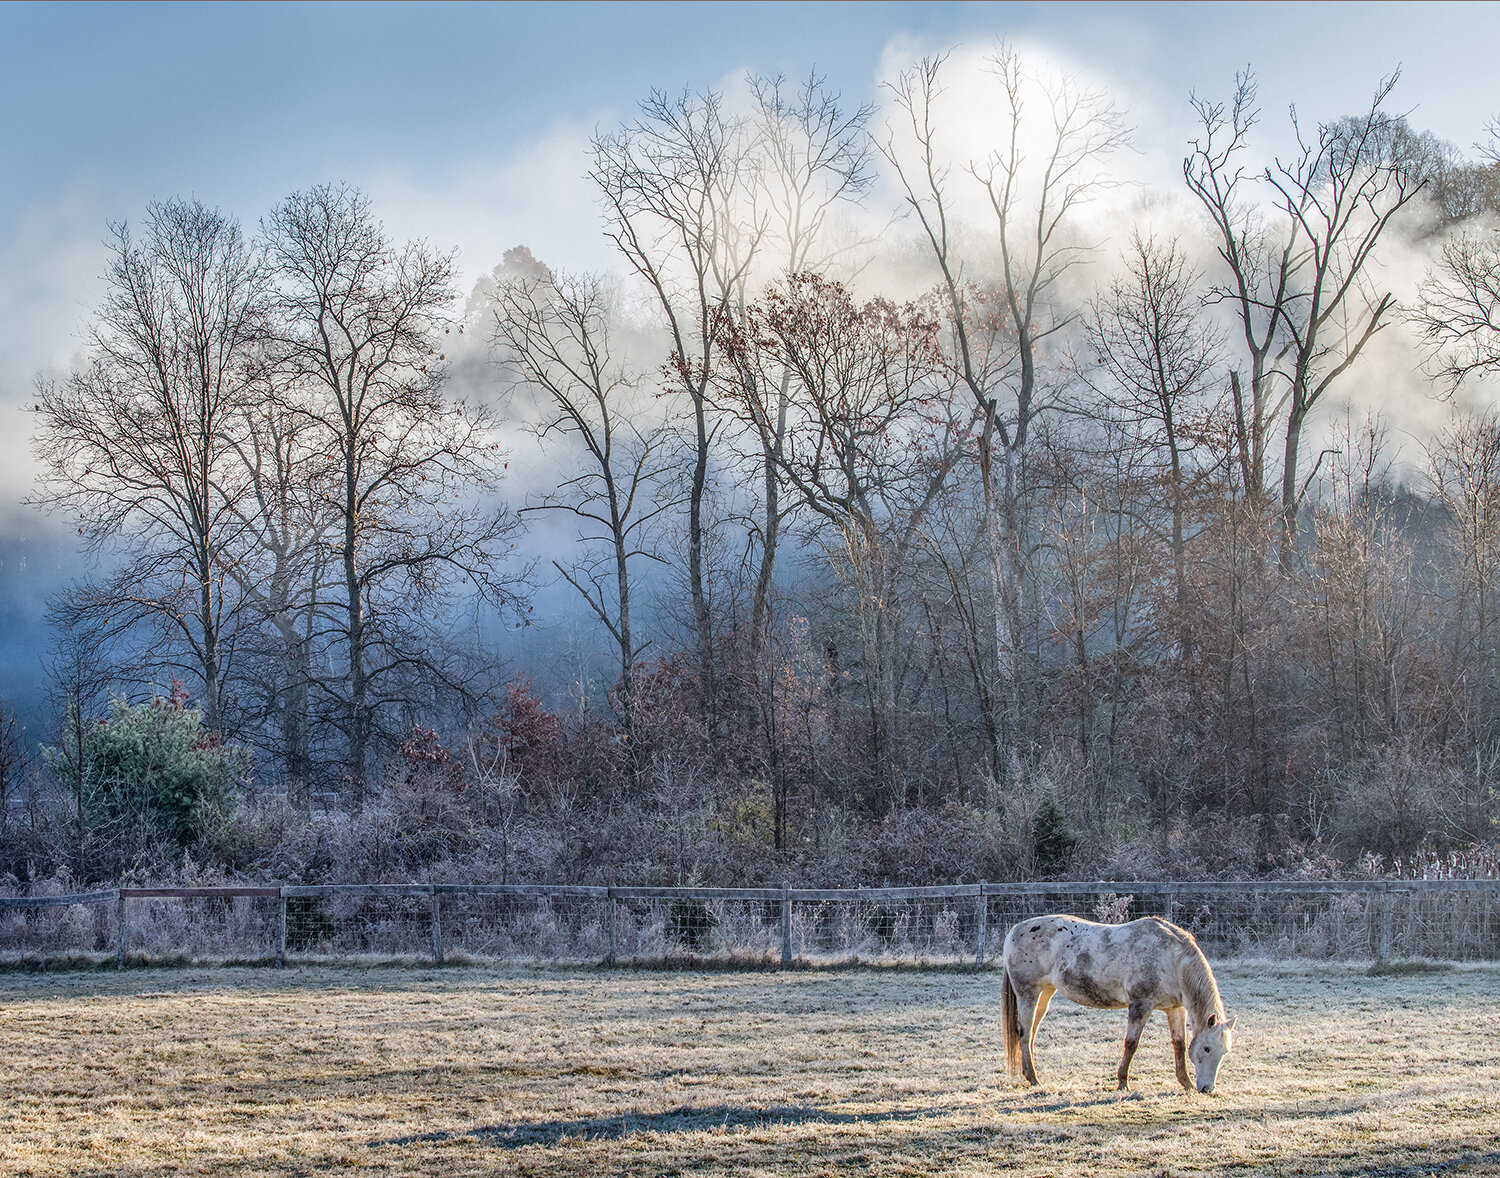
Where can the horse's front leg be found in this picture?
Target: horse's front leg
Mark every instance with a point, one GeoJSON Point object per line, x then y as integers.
{"type": "Point", "coordinates": [1135, 1023]}
{"type": "Point", "coordinates": [1177, 1023]}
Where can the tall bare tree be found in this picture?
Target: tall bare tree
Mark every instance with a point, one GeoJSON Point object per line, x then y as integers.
{"type": "Point", "coordinates": [1157, 353]}
{"type": "Point", "coordinates": [1459, 314]}
{"type": "Point", "coordinates": [1463, 474]}
{"type": "Point", "coordinates": [1002, 309]}
{"type": "Point", "coordinates": [14, 757]}
{"type": "Point", "coordinates": [134, 442]}
{"type": "Point", "coordinates": [1298, 262]}
{"type": "Point", "coordinates": [676, 184]}
{"type": "Point", "coordinates": [278, 558]}
{"type": "Point", "coordinates": [812, 157]}
{"type": "Point", "coordinates": [870, 444]}
{"type": "Point", "coordinates": [1459, 311]}
{"type": "Point", "coordinates": [554, 332]}
{"type": "Point", "coordinates": [361, 322]}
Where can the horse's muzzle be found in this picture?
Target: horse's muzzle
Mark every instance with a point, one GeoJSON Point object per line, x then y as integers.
{"type": "Point", "coordinates": [1206, 1089]}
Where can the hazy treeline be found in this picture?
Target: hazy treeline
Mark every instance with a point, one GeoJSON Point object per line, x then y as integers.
{"type": "Point", "coordinates": [969, 544]}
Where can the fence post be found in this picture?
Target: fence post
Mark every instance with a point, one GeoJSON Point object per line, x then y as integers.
{"type": "Point", "coordinates": [1167, 908]}
{"type": "Point", "coordinates": [437, 927]}
{"type": "Point", "coordinates": [1387, 910]}
{"type": "Point", "coordinates": [609, 910]}
{"type": "Point", "coordinates": [122, 931]}
{"type": "Point", "coordinates": [281, 929]}
{"type": "Point", "coordinates": [786, 924]}
{"type": "Point", "coordinates": [984, 919]}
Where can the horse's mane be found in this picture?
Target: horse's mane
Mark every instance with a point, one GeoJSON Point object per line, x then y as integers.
{"type": "Point", "coordinates": [1202, 990]}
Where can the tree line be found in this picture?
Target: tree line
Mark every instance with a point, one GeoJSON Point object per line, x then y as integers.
{"type": "Point", "coordinates": [927, 540]}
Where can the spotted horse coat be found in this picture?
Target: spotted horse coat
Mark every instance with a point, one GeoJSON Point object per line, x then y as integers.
{"type": "Point", "coordinates": [1141, 966]}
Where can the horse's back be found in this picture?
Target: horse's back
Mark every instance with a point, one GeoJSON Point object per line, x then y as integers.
{"type": "Point", "coordinates": [1028, 935]}
{"type": "Point", "coordinates": [1100, 965]}
{"type": "Point", "coordinates": [1049, 950]}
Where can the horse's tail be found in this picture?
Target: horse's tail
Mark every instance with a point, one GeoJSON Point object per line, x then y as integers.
{"type": "Point", "coordinates": [1010, 1021]}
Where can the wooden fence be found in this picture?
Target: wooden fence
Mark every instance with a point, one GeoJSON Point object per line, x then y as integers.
{"type": "Point", "coordinates": [1439, 918]}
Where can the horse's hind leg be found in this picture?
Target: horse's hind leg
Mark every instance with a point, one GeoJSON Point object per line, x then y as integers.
{"type": "Point", "coordinates": [1176, 1022]}
{"type": "Point", "coordinates": [1043, 999]}
{"type": "Point", "coordinates": [1032, 1007]}
{"type": "Point", "coordinates": [1135, 1023]}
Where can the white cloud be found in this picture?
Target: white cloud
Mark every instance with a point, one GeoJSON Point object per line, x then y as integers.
{"type": "Point", "coordinates": [51, 260]}
{"type": "Point", "coordinates": [541, 198]}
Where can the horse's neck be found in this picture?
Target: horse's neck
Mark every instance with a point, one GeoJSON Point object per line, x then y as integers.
{"type": "Point", "coordinates": [1201, 991]}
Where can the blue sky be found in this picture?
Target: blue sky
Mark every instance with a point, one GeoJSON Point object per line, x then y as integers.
{"type": "Point", "coordinates": [466, 122]}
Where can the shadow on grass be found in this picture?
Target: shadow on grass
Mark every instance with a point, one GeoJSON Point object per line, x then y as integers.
{"type": "Point", "coordinates": [1406, 967]}
{"type": "Point", "coordinates": [685, 1119]}
{"type": "Point", "coordinates": [1470, 1162]}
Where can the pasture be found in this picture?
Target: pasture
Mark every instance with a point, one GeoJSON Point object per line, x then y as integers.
{"type": "Point", "coordinates": [861, 1071]}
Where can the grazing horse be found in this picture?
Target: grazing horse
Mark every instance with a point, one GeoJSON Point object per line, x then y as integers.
{"type": "Point", "coordinates": [1144, 965]}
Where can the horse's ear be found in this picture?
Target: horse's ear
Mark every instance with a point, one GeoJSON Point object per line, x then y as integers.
{"type": "Point", "coordinates": [1230, 1025]}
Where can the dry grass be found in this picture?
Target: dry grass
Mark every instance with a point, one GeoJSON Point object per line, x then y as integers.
{"type": "Point", "coordinates": [467, 1071]}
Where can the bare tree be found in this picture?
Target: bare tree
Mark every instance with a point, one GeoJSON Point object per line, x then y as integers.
{"type": "Point", "coordinates": [1096, 562]}
{"type": "Point", "coordinates": [1156, 355]}
{"type": "Point", "coordinates": [554, 333]}
{"type": "Point", "coordinates": [676, 190]}
{"type": "Point", "coordinates": [1369, 593]}
{"type": "Point", "coordinates": [1463, 472]}
{"type": "Point", "coordinates": [361, 322]}
{"type": "Point", "coordinates": [134, 442]}
{"type": "Point", "coordinates": [278, 558]}
{"type": "Point", "coordinates": [868, 449]}
{"type": "Point", "coordinates": [81, 676]}
{"type": "Point", "coordinates": [13, 760]}
{"type": "Point", "coordinates": [1300, 285]}
{"type": "Point", "coordinates": [1260, 265]}
{"type": "Point", "coordinates": [812, 156]}
{"type": "Point", "coordinates": [998, 329]}
{"type": "Point", "coordinates": [1459, 312]}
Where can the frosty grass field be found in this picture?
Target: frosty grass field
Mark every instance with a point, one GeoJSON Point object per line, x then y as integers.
{"type": "Point", "coordinates": [858, 1071]}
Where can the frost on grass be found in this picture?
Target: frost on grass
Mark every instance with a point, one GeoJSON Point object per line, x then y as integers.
{"type": "Point", "coordinates": [464, 1071]}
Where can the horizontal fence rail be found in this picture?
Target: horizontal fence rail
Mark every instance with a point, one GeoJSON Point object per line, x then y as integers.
{"type": "Point", "coordinates": [947, 924]}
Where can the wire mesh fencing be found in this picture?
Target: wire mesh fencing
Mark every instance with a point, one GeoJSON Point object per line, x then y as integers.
{"type": "Point", "coordinates": [922, 926]}
{"type": "Point", "coordinates": [562, 923]}
{"type": "Point", "coordinates": [225, 924]}
{"type": "Point", "coordinates": [574, 924]}
{"type": "Point", "coordinates": [57, 927]}
{"type": "Point", "coordinates": [384, 921]}
{"type": "Point", "coordinates": [1457, 920]}
{"type": "Point", "coordinates": [647, 925]}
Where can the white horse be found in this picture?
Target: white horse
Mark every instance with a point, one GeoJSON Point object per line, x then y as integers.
{"type": "Point", "coordinates": [1144, 965]}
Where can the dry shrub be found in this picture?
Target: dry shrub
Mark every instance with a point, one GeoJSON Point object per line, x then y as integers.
{"type": "Point", "coordinates": [1399, 800]}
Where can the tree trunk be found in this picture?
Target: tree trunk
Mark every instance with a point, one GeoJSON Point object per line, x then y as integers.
{"type": "Point", "coordinates": [207, 622]}
{"type": "Point", "coordinates": [296, 738]}
{"type": "Point", "coordinates": [1179, 552]}
{"type": "Point", "coordinates": [1001, 512]}
{"type": "Point", "coordinates": [358, 719]}
{"type": "Point", "coordinates": [1290, 500]}
{"type": "Point", "coordinates": [627, 645]}
{"type": "Point", "coordinates": [760, 609]}
{"type": "Point", "coordinates": [702, 620]}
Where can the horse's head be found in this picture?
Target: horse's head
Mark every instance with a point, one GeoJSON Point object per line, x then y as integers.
{"type": "Point", "coordinates": [1211, 1043]}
